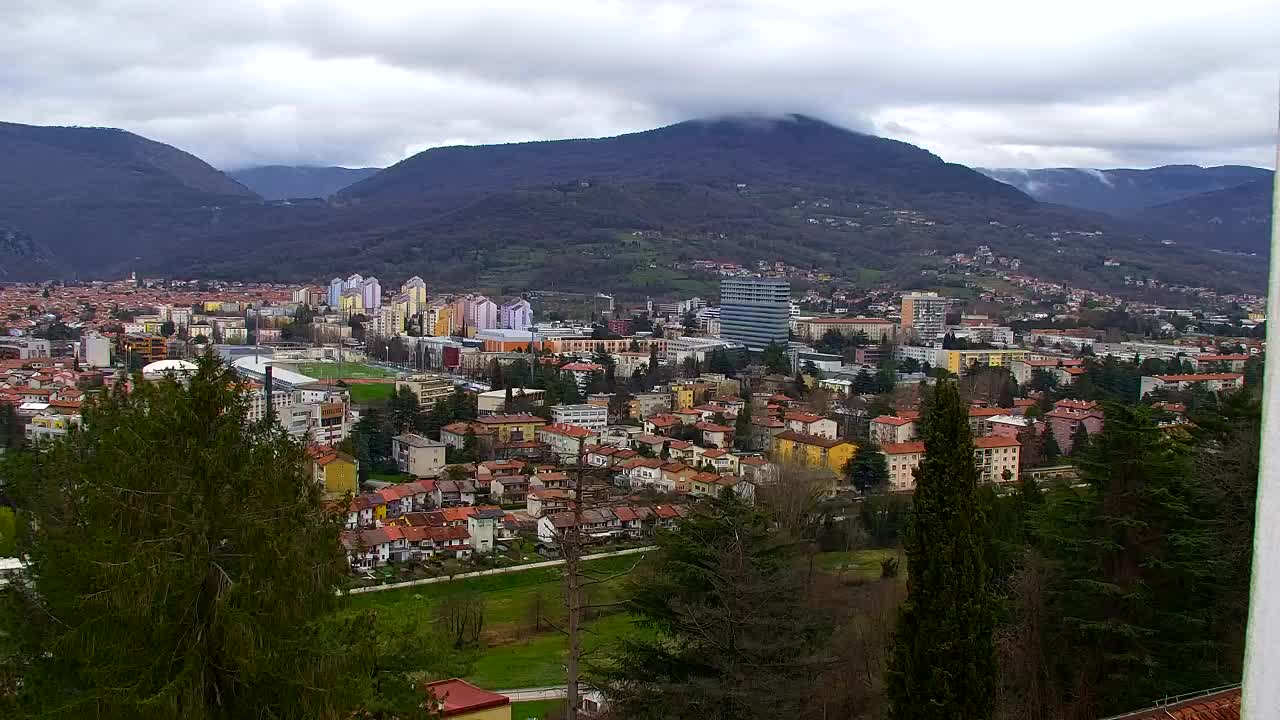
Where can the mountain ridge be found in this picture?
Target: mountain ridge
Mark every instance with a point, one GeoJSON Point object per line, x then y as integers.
{"type": "Point", "coordinates": [1123, 191]}
{"type": "Point", "coordinates": [285, 182]}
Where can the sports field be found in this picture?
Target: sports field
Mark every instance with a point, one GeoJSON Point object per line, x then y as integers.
{"type": "Point", "coordinates": [342, 371]}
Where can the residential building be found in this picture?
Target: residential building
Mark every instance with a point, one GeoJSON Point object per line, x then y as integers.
{"type": "Point", "coordinates": [993, 457]}
{"type": "Point", "coordinates": [924, 316]}
{"type": "Point", "coordinates": [679, 349]}
{"type": "Point", "coordinates": [890, 429]}
{"type": "Point", "coordinates": [592, 417]}
{"type": "Point", "coordinates": [1220, 363]}
{"type": "Point", "coordinates": [460, 700]}
{"type": "Point", "coordinates": [582, 372]}
{"type": "Point", "coordinates": [755, 312]}
{"type": "Point", "coordinates": [715, 436]}
{"type": "Point", "coordinates": [371, 294]}
{"type": "Point", "coordinates": [511, 428]}
{"type": "Point", "coordinates": [566, 442]}
{"type": "Point", "coordinates": [958, 360]}
{"type": "Point", "coordinates": [650, 404]}
{"type": "Point", "coordinates": [336, 472]}
{"type": "Point", "coordinates": [418, 455]}
{"type": "Point", "coordinates": [876, 330]}
{"type": "Point", "coordinates": [1066, 417]}
{"type": "Point", "coordinates": [95, 350]}
{"type": "Point", "coordinates": [429, 387]}
{"type": "Point", "coordinates": [809, 423]}
{"type": "Point", "coordinates": [812, 451]}
{"type": "Point", "coordinates": [1024, 369]}
{"type": "Point", "coordinates": [494, 402]}
{"type": "Point", "coordinates": [1213, 382]}
{"type": "Point", "coordinates": [516, 315]}
{"type": "Point", "coordinates": [482, 529]}
{"type": "Point", "coordinates": [45, 426]}
{"type": "Point", "coordinates": [150, 348]}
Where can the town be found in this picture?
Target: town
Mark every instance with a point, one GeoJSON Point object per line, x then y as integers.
{"type": "Point", "coordinates": [461, 435]}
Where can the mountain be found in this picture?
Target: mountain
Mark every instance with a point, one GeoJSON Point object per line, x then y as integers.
{"type": "Point", "coordinates": [721, 152]}
{"type": "Point", "coordinates": [1237, 219]}
{"type": "Point", "coordinates": [281, 182]}
{"type": "Point", "coordinates": [82, 199]}
{"type": "Point", "coordinates": [1122, 190]}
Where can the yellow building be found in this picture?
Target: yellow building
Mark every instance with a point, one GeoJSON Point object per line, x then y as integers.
{"type": "Point", "coordinates": [351, 303]}
{"type": "Point", "coordinates": [681, 396]}
{"type": "Point", "coordinates": [460, 700]}
{"type": "Point", "coordinates": [512, 428]}
{"type": "Point", "coordinates": [812, 450]}
{"type": "Point", "coordinates": [957, 360]}
{"type": "Point", "coordinates": [337, 472]}
{"type": "Point", "coordinates": [442, 325]}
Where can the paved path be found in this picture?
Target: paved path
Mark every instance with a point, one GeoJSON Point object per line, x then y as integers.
{"type": "Point", "coordinates": [550, 692]}
{"type": "Point", "coordinates": [495, 571]}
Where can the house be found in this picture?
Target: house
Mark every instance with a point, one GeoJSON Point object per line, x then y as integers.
{"type": "Point", "coordinates": [552, 479]}
{"type": "Point", "coordinates": [642, 471]}
{"type": "Point", "coordinates": [1067, 416]}
{"type": "Point", "coordinates": [543, 501]}
{"type": "Point", "coordinates": [582, 372]}
{"type": "Point", "coordinates": [450, 493]}
{"type": "Point", "coordinates": [567, 442]}
{"type": "Point", "coordinates": [336, 472]}
{"type": "Point", "coordinates": [460, 700]}
{"type": "Point", "coordinates": [716, 436]}
{"type": "Point", "coordinates": [1213, 382]}
{"type": "Point", "coordinates": [1024, 370]}
{"type": "Point", "coordinates": [454, 435]}
{"type": "Point", "coordinates": [980, 419]}
{"type": "Point", "coordinates": [482, 529]}
{"type": "Point", "coordinates": [688, 416]}
{"type": "Point", "coordinates": [891, 429]}
{"type": "Point", "coordinates": [763, 429]}
{"type": "Point", "coordinates": [374, 547]}
{"type": "Point", "coordinates": [675, 476]}
{"type": "Point", "coordinates": [628, 521]}
{"type": "Point", "coordinates": [757, 470]}
{"type": "Point", "coordinates": [508, 489]}
{"type": "Point", "coordinates": [497, 468]}
{"type": "Point", "coordinates": [511, 428]}
{"type": "Point", "coordinates": [809, 423]}
{"type": "Point", "coordinates": [426, 541]}
{"type": "Point", "coordinates": [660, 424]}
{"type": "Point", "coordinates": [606, 456]}
{"type": "Point", "coordinates": [812, 451]}
{"type": "Point", "coordinates": [651, 444]}
{"type": "Point", "coordinates": [719, 460]}
{"type": "Point", "coordinates": [398, 499]}
{"type": "Point", "coordinates": [1220, 363]}
{"type": "Point", "coordinates": [680, 450]}
{"type": "Point", "coordinates": [418, 455]}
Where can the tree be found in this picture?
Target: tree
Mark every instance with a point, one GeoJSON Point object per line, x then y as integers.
{"type": "Point", "coordinates": [404, 410]}
{"type": "Point", "coordinates": [461, 614]}
{"type": "Point", "coordinates": [1080, 440]}
{"type": "Point", "coordinates": [742, 426]}
{"type": "Point", "coordinates": [1133, 571]}
{"type": "Point", "coordinates": [8, 533]}
{"type": "Point", "coordinates": [775, 360]}
{"type": "Point", "coordinates": [167, 328]}
{"type": "Point", "coordinates": [943, 664]}
{"type": "Point", "coordinates": [1050, 451]}
{"type": "Point", "coordinates": [193, 558]}
{"type": "Point", "coordinates": [867, 470]}
{"type": "Point", "coordinates": [726, 601]}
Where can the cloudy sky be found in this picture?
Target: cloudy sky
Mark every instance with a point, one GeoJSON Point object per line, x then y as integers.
{"type": "Point", "coordinates": [367, 82]}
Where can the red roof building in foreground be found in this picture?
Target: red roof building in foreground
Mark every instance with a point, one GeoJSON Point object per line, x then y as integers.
{"type": "Point", "coordinates": [1224, 705]}
{"type": "Point", "coordinates": [456, 697]}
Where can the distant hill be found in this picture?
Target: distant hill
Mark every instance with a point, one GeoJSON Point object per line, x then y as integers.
{"type": "Point", "coordinates": [722, 153]}
{"type": "Point", "coordinates": [1122, 191]}
{"type": "Point", "coordinates": [1235, 219]}
{"type": "Point", "coordinates": [282, 182]}
{"type": "Point", "coordinates": [93, 198]}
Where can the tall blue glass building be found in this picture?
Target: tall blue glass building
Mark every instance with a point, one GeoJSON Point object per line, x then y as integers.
{"type": "Point", "coordinates": [755, 311]}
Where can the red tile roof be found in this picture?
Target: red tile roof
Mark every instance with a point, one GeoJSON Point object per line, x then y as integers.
{"type": "Point", "coordinates": [988, 412]}
{"type": "Point", "coordinates": [1223, 705]}
{"type": "Point", "coordinates": [905, 448]}
{"type": "Point", "coordinates": [567, 430]}
{"type": "Point", "coordinates": [509, 419]}
{"type": "Point", "coordinates": [1204, 377]}
{"type": "Point", "coordinates": [892, 420]}
{"type": "Point", "coordinates": [459, 697]}
{"type": "Point", "coordinates": [712, 427]}
{"type": "Point", "coordinates": [995, 441]}
{"type": "Point", "coordinates": [805, 439]}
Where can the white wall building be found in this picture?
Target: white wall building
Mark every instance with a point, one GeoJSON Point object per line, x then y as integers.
{"type": "Point", "coordinates": [592, 417]}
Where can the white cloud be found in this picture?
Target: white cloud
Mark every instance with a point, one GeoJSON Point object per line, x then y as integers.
{"type": "Point", "coordinates": [997, 83]}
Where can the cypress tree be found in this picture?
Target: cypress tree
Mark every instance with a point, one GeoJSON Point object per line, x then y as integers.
{"type": "Point", "coordinates": [1080, 440]}
{"type": "Point", "coordinates": [943, 663]}
{"type": "Point", "coordinates": [1050, 451]}
{"type": "Point", "coordinates": [182, 559]}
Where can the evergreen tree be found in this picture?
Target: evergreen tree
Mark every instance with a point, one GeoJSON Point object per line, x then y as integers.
{"type": "Point", "coordinates": [185, 559]}
{"type": "Point", "coordinates": [1131, 590]}
{"type": "Point", "coordinates": [943, 663]}
{"type": "Point", "coordinates": [733, 636]}
{"type": "Point", "coordinates": [403, 407]}
{"type": "Point", "coordinates": [742, 426]}
{"type": "Point", "coordinates": [867, 470]}
{"type": "Point", "coordinates": [1080, 440]}
{"type": "Point", "coordinates": [775, 360]}
{"type": "Point", "coordinates": [1049, 450]}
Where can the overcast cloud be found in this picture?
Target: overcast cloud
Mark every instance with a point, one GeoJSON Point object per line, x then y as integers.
{"type": "Point", "coordinates": [351, 82]}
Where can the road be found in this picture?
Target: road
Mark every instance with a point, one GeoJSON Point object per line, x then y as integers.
{"type": "Point", "coordinates": [550, 692]}
{"type": "Point", "coordinates": [496, 571]}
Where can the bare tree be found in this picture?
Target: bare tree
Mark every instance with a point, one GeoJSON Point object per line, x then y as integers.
{"type": "Point", "coordinates": [1023, 690]}
{"type": "Point", "coordinates": [462, 617]}
{"type": "Point", "coordinates": [794, 497]}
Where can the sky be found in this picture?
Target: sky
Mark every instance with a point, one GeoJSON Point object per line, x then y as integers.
{"type": "Point", "coordinates": [995, 83]}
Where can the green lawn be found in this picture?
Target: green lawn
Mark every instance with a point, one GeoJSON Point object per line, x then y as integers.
{"type": "Point", "coordinates": [534, 709]}
{"type": "Point", "coordinates": [864, 563]}
{"type": "Point", "coordinates": [325, 371]}
{"type": "Point", "coordinates": [390, 477]}
{"type": "Point", "coordinates": [367, 393]}
{"type": "Point", "coordinates": [508, 597]}
{"type": "Point", "coordinates": [539, 661]}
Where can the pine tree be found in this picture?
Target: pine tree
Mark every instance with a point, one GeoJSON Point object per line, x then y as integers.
{"type": "Point", "coordinates": [943, 663]}
{"type": "Point", "coordinates": [1131, 590]}
{"type": "Point", "coordinates": [1080, 440]}
{"type": "Point", "coordinates": [867, 470]}
{"type": "Point", "coordinates": [1049, 450]}
{"type": "Point", "coordinates": [734, 637]}
{"type": "Point", "coordinates": [742, 426]}
{"type": "Point", "coordinates": [184, 558]}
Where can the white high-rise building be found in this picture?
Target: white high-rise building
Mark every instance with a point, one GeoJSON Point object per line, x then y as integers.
{"type": "Point", "coordinates": [95, 350]}
{"type": "Point", "coordinates": [516, 315]}
{"type": "Point", "coordinates": [371, 290]}
{"type": "Point", "coordinates": [336, 286]}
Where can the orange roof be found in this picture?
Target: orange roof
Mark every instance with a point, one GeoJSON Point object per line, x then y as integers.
{"type": "Point", "coordinates": [850, 321]}
{"type": "Point", "coordinates": [905, 448]}
{"type": "Point", "coordinates": [1223, 705]}
{"type": "Point", "coordinates": [1205, 377]}
{"type": "Point", "coordinates": [509, 419]}
{"type": "Point", "coordinates": [995, 441]}
{"type": "Point", "coordinates": [573, 431]}
{"type": "Point", "coordinates": [805, 439]}
{"type": "Point", "coordinates": [987, 412]}
{"type": "Point", "coordinates": [892, 420]}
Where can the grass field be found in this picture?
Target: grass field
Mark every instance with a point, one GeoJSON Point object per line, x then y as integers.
{"type": "Point", "coordinates": [327, 371]}
{"type": "Point", "coordinates": [366, 393]}
{"type": "Point", "coordinates": [534, 709]}
{"type": "Point", "coordinates": [539, 661]}
{"type": "Point", "coordinates": [862, 563]}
